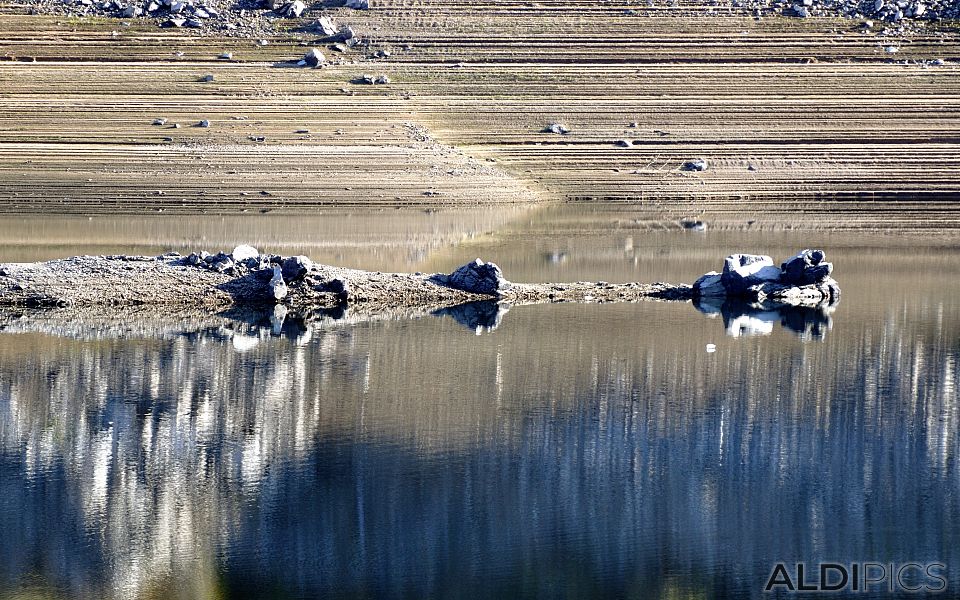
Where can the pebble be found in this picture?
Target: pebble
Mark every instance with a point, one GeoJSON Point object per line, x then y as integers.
{"type": "Point", "coordinates": [557, 128]}
{"type": "Point", "coordinates": [698, 164]}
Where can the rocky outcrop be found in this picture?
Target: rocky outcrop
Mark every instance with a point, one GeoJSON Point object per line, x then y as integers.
{"type": "Point", "coordinates": [478, 277]}
{"type": "Point", "coordinates": [802, 280]}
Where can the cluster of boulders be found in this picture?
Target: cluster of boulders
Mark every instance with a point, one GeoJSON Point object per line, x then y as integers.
{"type": "Point", "coordinates": [803, 279]}
{"type": "Point", "coordinates": [477, 277]}
{"type": "Point", "coordinates": [892, 11]}
{"type": "Point", "coordinates": [246, 259]}
{"type": "Point", "coordinates": [208, 14]}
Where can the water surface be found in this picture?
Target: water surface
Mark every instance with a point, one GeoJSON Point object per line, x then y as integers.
{"type": "Point", "coordinates": [566, 450]}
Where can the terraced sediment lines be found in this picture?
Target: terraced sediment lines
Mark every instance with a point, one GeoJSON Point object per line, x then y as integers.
{"type": "Point", "coordinates": [808, 121]}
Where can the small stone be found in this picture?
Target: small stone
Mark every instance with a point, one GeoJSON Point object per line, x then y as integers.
{"type": "Point", "coordinates": [131, 11]}
{"type": "Point", "coordinates": [226, 56]}
{"type": "Point", "coordinates": [293, 10]}
{"type": "Point", "coordinates": [203, 123]}
{"type": "Point", "coordinates": [357, 4]}
{"type": "Point", "coordinates": [624, 143]}
{"type": "Point", "coordinates": [224, 266]}
{"type": "Point", "coordinates": [339, 287]}
{"type": "Point", "coordinates": [314, 58]}
{"type": "Point", "coordinates": [326, 26]}
{"type": "Point", "coordinates": [381, 79]}
{"type": "Point", "coordinates": [693, 225]}
{"type": "Point", "coordinates": [698, 164]}
{"type": "Point", "coordinates": [207, 78]}
{"type": "Point", "coordinates": [160, 121]}
{"type": "Point", "coordinates": [557, 128]}
{"type": "Point", "coordinates": [295, 267]}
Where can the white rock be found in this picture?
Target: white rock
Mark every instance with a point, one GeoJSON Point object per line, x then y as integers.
{"type": "Point", "coordinates": [741, 271]}
{"type": "Point", "coordinates": [326, 26]}
{"type": "Point", "coordinates": [243, 252]}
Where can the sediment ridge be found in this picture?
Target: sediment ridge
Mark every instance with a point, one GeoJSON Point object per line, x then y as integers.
{"type": "Point", "coordinates": [221, 280]}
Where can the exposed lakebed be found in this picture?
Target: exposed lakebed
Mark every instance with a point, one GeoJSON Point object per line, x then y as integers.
{"type": "Point", "coordinates": [568, 449]}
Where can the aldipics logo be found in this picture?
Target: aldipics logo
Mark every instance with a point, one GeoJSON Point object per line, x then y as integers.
{"type": "Point", "coordinates": [858, 577]}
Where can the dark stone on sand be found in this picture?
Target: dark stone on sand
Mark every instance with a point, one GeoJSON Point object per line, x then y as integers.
{"type": "Point", "coordinates": [478, 277]}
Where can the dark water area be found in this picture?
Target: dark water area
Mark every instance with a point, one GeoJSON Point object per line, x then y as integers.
{"type": "Point", "coordinates": [646, 450]}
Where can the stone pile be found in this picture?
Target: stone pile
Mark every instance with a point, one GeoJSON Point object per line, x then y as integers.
{"type": "Point", "coordinates": [247, 260]}
{"type": "Point", "coordinates": [801, 280]}
{"type": "Point", "coordinates": [213, 15]}
{"type": "Point", "coordinates": [890, 11]}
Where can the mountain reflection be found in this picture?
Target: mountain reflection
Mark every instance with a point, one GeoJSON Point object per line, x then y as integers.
{"type": "Point", "coordinates": [575, 450]}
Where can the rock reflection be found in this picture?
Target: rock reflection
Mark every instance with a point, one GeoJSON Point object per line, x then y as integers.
{"type": "Point", "coordinates": [744, 319]}
{"type": "Point", "coordinates": [481, 317]}
{"type": "Point", "coordinates": [583, 450]}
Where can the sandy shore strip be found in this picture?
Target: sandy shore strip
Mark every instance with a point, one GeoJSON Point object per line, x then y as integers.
{"type": "Point", "coordinates": [172, 280]}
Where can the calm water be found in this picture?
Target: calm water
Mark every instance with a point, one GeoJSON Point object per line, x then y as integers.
{"type": "Point", "coordinates": [539, 451]}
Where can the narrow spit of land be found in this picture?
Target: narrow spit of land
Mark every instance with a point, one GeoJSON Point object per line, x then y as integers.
{"type": "Point", "coordinates": [819, 123]}
{"type": "Point", "coordinates": [171, 281]}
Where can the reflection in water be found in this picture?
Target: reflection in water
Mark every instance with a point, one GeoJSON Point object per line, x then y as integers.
{"type": "Point", "coordinates": [573, 450]}
{"type": "Point", "coordinates": [742, 318]}
{"type": "Point", "coordinates": [576, 450]}
{"type": "Point", "coordinates": [482, 317]}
